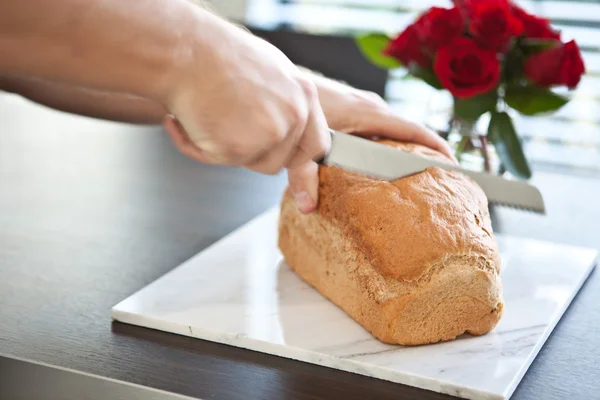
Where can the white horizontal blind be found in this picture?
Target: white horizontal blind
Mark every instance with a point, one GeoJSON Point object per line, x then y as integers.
{"type": "Point", "coordinates": [569, 138]}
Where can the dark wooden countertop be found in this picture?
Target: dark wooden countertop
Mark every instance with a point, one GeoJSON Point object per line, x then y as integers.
{"type": "Point", "coordinates": [91, 211]}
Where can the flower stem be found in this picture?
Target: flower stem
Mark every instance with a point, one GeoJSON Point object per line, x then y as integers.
{"type": "Point", "coordinates": [485, 153]}
{"type": "Point", "coordinates": [461, 146]}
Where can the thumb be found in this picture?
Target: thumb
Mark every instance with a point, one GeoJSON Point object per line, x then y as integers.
{"type": "Point", "coordinates": [304, 184]}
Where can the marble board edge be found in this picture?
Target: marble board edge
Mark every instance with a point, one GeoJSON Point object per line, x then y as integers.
{"type": "Point", "coordinates": [551, 326]}
{"type": "Point", "coordinates": [338, 363]}
{"type": "Point", "coordinates": [307, 356]}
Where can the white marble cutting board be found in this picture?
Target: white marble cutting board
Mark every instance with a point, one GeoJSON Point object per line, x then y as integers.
{"type": "Point", "coordinates": [239, 292]}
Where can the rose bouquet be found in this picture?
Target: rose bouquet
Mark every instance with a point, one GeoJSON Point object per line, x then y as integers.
{"type": "Point", "coordinates": [492, 57]}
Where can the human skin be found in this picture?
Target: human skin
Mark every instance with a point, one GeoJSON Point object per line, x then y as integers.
{"type": "Point", "coordinates": [224, 96]}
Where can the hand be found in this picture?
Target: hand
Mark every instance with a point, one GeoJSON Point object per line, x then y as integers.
{"type": "Point", "coordinates": [236, 100]}
{"type": "Point", "coordinates": [242, 102]}
{"type": "Point", "coordinates": [364, 113]}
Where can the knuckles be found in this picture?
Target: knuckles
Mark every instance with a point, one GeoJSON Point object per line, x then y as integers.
{"type": "Point", "coordinates": [235, 150]}
{"type": "Point", "coordinates": [269, 124]}
{"type": "Point", "coordinates": [370, 100]}
{"type": "Point", "coordinates": [308, 87]}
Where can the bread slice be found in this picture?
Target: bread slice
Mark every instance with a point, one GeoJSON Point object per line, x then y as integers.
{"type": "Point", "coordinates": [413, 261]}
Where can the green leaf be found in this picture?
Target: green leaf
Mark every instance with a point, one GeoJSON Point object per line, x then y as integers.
{"type": "Point", "coordinates": [512, 67]}
{"type": "Point", "coordinates": [514, 60]}
{"type": "Point", "coordinates": [372, 45]}
{"type": "Point", "coordinates": [532, 46]}
{"type": "Point", "coordinates": [472, 108]}
{"type": "Point", "coordinates": [532, 99]}
{"type": "Point", "coordinates": [501, 132]}
{"type": "Point", "coordinates": [426, 75]}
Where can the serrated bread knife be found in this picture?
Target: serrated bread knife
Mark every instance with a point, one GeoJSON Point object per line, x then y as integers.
{"type": "Point", "coordinates": [380, 161]}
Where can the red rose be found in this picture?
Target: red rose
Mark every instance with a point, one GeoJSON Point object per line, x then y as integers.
{"type": "Point", "coordinates": [492, 23]}
{"type": "Point", "coordinates": [468, 5]}
{"type": "Point", "coordinates": [466, 69]}
{"type": "Point", "coordinates": [407, 47]}
{"type": "Point", "coordinates": [534, 27]}
{"type": "Point", "coordinates": [558, 66]}
{"type": "Point", "coordinates": [438, 26]}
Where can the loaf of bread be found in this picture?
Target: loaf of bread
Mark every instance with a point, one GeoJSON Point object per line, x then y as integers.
{"type": "Point", "coordinates": [413, 261]}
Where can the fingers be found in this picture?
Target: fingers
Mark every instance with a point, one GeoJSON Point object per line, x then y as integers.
{"type": "Point", "coordinates": [303, 171]}
{"type": "Point", "coordinates": [381, 121]}
{"type": "Point", "coordinates": [182, 141]}
{"type": "Point", "coordinates": [427, 137]}
{"type": "Point", "coordinates": [307, 139]}
{"type": "Point", "coordinates": [304, 184]}
{"type": "Point", "coordinates": [278, 157]}
{"type": "Point", "coordinates": [385, 123]}
{"type": "Point", "coordinates": [315, 140]}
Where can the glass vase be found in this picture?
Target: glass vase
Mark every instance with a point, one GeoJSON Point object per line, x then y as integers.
{"type": "Point", "coordinates": [471, 147]}
{"type": "Point", "coordinates": [467, 138]}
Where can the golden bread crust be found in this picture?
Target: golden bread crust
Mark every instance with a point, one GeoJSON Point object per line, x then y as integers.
{"type": "Point", "coordinates": [413, 261]}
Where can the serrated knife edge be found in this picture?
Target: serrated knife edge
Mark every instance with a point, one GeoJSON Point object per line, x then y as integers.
{"type": "Point", "coordinates": [384, 162]}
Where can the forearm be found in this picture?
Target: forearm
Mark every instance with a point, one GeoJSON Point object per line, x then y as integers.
{"type": "Point", "coordinates": [112, 106]}
{"type": "Point", "coordinates": [105, 105]}
{"type": "Point", "coordinates": [132, 46]}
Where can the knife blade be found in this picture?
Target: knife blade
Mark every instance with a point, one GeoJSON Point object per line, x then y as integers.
{"type": "Point", "coordinates": [380, 161]}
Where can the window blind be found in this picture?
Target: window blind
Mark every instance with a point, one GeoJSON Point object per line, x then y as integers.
{"type": "Point", "coordinates": [569, 138]}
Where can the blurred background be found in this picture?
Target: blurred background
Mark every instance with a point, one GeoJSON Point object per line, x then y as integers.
{"type": "Point", "coordinates": [92, 210]}
{"type": "Point", "coordinates": [320, 34]}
